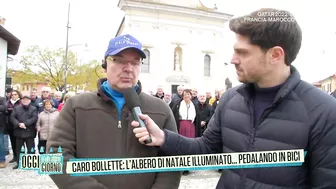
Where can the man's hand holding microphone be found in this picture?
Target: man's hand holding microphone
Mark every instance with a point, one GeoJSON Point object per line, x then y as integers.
{"type": "Point", "coordinates": [142, 133]}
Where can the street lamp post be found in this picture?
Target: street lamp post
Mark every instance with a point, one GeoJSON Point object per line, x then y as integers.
{"type": "Point", "coordinates": [66, 53]}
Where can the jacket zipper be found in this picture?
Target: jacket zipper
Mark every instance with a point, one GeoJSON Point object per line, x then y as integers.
{"type": "Point", "coordinates": [119, 115]}
{"type": "Point", "coordinates": [48, 125]}
{"type": "Point", "coordinates": [122, 130]}
{"type": "Point", "coordinates": [251, 111]}
{"type": "Point", "coordinates": [262, 118]}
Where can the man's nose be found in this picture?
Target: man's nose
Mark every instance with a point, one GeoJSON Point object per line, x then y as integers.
{"type": "Point", "coordinates": [234, 59]}
{"type": "Point", "coordinates": [128, 67]}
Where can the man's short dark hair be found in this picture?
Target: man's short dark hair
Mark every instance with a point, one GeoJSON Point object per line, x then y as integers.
{"type": "Point", "coordinates": [268, 28]}
{"type": "Point", "coordinates": [9, 90]}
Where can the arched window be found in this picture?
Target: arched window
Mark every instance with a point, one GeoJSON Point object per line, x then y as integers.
{"type": "Point", "coordinates": [178, 59]}
{"type": "Point", "coordinates": [146, 62]}
{"type": "Point", "coordinates": [207, 65]}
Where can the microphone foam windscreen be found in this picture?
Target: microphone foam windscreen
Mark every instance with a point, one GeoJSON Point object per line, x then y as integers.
{"type": "Point", "coordinates": [132, 98]}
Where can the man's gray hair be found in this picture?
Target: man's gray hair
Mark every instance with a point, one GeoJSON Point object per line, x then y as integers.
{"type": "Point", "coordinates": [180, 87]}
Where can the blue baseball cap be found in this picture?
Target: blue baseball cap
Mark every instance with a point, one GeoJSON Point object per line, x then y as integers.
{"type": "Point", "coordinates": [123, 42]}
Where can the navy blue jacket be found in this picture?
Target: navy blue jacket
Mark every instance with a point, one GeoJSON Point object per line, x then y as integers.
{"type": "Point", "coordinates": [301, 117]}
{"type": "Point", "coordinates": [39, 104]}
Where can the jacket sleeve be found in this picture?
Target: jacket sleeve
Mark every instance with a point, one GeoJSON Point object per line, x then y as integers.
{"type": "Point", "coordinates": [64, 135]}
{"type": "Point", "coordinates": [175, 113]}
{"type": "Point", "coordinates": [210, 142]}
{"type": "Point", "coordinates": [13, 118]}
{"type": "Point", "coordinates": [38, 123]}
{"type": "Point", "coordinates": [31, 121]}
{"type": "Point", "coordinates": [322, 152]}
{"type": "Point", "coordinates": [168, 180]}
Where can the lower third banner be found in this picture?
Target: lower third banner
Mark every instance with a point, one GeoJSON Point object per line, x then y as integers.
{"type": "Point", "coordinates": [99, 166]}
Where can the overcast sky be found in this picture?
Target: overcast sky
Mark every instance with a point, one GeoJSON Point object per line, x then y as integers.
{"type": "Point", "coordinates": [43, 22]}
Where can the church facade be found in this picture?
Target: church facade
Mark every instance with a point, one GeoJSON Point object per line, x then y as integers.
{"type": "Point", "coordinates": [183, 41]}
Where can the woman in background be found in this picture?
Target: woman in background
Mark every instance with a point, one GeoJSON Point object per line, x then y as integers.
{"type": "Point", "coordinates": [66, 97]}
{"type": "Point", "coordinates": [45, 124]}
{"type": "Point", "coordinates": [15, 100]}
{"type": "Point", "coordinates": [187, 117]}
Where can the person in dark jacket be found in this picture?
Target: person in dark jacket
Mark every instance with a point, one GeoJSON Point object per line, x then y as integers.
{"type": "Point", "coordinates": [15, 100]}
{"type": "Point", "coordinates": [205, 110]}
{"type": "Point", "coordinates": [45, 95]}
{"type": "Point", "coordinates": [3, 110]}
{"type": "Point", "coordinates": [272, 110]}
{"type": "Point", "coordinates": [6, 136]}
{"type": "Point", "coordinates": [34, 97]}
{"type": "Point", "coordinates": [168, 100]}
{"type": "Point", "coordinates": [194, 97]}
{"type": "Point", "coordinates": [108, 110]}
{"type": "Point", "coordinates": [178, 96]}
{"type": "Point", "coordinates": [9, 93]}
{"type": "Point", "coordinates": [24, 118]}
{"type": "Point", "coordinates": [159, 92]}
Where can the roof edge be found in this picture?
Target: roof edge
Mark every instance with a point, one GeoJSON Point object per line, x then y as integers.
{"type": "Point", "coordinates": [13, 43]}
{"type": "Point", "coordinates": [121, 24]}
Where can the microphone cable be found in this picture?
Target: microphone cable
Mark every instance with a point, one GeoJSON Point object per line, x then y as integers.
{"type": "Point", "coordinates": [96, 72]}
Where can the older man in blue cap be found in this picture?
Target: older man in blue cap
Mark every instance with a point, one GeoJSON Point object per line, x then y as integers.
{"type": "Point", "coordinates": [97, 124]}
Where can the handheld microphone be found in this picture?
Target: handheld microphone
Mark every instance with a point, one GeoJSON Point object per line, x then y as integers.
{"type": "Point", "coordinates": [133, 103]}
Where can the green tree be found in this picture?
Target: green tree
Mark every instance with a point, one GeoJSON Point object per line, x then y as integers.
{"type": "Point", "coordinates": [86, 76]}
{"type": "Point", "coordinates": [22, 77]}
{"type": "Point", "coordinates": [48, 64]}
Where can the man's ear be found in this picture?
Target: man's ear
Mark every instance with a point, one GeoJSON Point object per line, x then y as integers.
{"type": "Point", "coordinates": [277, 54]}
{"type": "Point", "coordinates": [104, 64]}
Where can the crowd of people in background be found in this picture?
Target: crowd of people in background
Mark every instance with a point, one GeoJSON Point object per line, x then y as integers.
{"type": "Point", "coordinates": [192, 109]}
{"type": "Point", "coordinates": [25, 117]}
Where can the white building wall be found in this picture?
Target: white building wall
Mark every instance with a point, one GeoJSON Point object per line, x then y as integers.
{"type": "Point", "coordinates": [161, 35]}
{"type": "Point", "coordinates": [3, 66]}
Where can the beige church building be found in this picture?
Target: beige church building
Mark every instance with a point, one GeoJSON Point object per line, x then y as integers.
{"type": "Point", "coordinates": [183, 40]}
